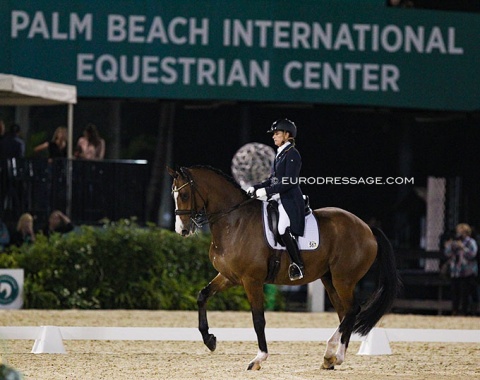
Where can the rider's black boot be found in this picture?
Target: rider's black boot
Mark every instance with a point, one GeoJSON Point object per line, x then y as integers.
{"type": "Point", "coordinates": [295, 270]}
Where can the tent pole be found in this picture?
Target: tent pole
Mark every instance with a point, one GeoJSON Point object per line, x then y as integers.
{"type": "Point", "coordinates": [68, 210]}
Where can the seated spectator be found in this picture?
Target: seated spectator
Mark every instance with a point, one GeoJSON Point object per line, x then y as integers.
{"type": "Point", "coordinates": [58, 222]}
{"type": "Point", "coordinates": [4, 236]}
{"type": "Point", "coordinates": [90, 146]}
{"type": "Point", "coordinates": [57, 147]}
{"type": "Point", "coordinates": [24, 233]}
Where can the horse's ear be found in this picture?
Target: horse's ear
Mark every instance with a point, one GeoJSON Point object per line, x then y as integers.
{"type": "Point", "coordinates": [172, 172]}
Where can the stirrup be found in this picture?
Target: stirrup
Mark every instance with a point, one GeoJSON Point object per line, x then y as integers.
{"type": "Point", "coordinates": [295, 272]}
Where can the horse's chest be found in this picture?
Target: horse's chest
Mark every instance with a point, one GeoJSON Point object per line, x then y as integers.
{"type": "Point", "coordinates": [216, 254]}
{"type": "Point", "coordinates": [220, 262]}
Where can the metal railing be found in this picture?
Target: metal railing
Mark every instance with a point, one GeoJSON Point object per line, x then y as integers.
{"type": "Point", "coordinates": [110, 189]}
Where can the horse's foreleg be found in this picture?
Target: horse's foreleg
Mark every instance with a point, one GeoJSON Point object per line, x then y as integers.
{"type": "Point", "coordinates": [256, 297]}
{"type": "Point", "coordinates": [218, 284]}
{"type": "Point", "coordinates": [259, 326]}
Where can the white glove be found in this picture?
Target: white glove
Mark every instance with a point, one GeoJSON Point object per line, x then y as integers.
{"type": "Point", "coordinates": [261, 194]}
{"type": "Point", "coordinates": [250, 191]}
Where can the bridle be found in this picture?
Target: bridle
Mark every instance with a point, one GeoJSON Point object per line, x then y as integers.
{"type": "Point", "coordinates": [200, 218]}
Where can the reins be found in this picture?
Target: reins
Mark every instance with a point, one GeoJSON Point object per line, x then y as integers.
{"type": "Point", "coordinates": [199, 218]}
{"type": "Point", "coordinates": [221, 214]}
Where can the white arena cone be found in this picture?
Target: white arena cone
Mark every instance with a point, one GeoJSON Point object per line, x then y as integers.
{"type": "Point", "coordinates": [376, 343]}
{"type": "Point", "coordinates": [49, 342]}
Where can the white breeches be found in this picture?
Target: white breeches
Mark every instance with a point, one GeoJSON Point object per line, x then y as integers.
{"type": "Point", "coordinates": [283, 219]}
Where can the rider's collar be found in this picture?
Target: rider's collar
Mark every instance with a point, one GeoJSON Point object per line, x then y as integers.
{"type": "Point", "coordinates": [283, 147]}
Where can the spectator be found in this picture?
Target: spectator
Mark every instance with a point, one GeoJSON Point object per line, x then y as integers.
{"type": "Point", "coordinates": [57, 147]}
{"type": "Point", "coordinates": [461, 252]}
{"type": "Point", "coordinates": [58, 222]}
{"type": "Point", "coordinates": [24, 233]}
{"type": "Point", "coordinates": [2, 128]}
{"type": "Point", "coordinates": [13, 145]}
{"type": "Point", "coordinates": [4, 236]}
{"type": "Point", "coordinates": [90, 146]}
{"type": "Point", "coordinates": [2, 156]}
{"type": "Point", "coordinates": [2, 135]}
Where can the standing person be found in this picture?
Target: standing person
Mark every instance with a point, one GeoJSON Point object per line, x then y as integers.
{"type": "Point", "coordinates": [462, 255]}
{"type": "Point", "coordinates": [3, 164]}
{"type": "Point", "coordinates": [24, 233]}
{"type": "Point", "coordinates": [57, 147]}
{"type": "Point", "coordinates": [90, 146]}
{"type": "Point", "coordinates": [13, 148]}
{"type": "Point", "coordinates": [13, 145]}
{"type": "Point", "coordinates": [283, 186]}
{"type": "Point", "coordinates": [2, 135]}
{"type": "Point", "coordinates": [2, 128]}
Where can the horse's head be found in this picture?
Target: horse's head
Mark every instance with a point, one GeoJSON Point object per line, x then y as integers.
{"type": "Point", "coordinates": [189, 203]}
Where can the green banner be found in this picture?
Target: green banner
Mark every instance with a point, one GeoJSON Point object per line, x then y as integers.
{"type": "Point", "coordinates": [333, 52]}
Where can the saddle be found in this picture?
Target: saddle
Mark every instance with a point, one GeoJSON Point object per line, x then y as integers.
{"type": "Point", "coordinates": [273, 216]}
{"type": "Point", "coordinates": [270, 217]}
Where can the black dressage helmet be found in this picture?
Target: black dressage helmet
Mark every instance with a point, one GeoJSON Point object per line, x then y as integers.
{"type": "Point", "coordinates": [284, 125]}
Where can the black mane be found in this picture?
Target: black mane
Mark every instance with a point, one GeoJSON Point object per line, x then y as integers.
{"type": "Point", "coordinates": [220, 173]}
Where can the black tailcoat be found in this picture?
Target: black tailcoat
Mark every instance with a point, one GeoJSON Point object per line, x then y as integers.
{"type": "Point", "coordinates": [284, 180]}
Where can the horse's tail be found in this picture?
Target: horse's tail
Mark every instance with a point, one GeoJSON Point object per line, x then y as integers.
{"type": "Point", "coordinates": [381, 301]}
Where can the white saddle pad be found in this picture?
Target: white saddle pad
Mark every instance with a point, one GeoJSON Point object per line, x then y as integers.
{"type": "Point", "coordinates": [309, 241]}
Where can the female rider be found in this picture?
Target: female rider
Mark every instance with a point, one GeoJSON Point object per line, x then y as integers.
{"type": "Point", "coordinates": [283, 186]}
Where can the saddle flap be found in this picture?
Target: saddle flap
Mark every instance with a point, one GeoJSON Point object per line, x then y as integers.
{"type": "Point", "coordinates": [273, 216]}
{"type": "Point", "coordinates": [309, 241]}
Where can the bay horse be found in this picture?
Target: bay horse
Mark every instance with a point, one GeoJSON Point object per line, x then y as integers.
{"type": "Point", "coordinates": [239, 252]}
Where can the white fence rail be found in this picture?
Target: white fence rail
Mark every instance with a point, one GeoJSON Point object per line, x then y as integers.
{"type": "Point", "coordinates": [49, 339]}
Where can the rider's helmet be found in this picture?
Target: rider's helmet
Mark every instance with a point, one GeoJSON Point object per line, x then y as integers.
{"type": "Point", "coordinates": [284, 125]}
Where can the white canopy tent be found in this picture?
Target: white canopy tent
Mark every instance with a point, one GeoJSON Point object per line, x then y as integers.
{"type": "Point", "coordinates": [21, 91]}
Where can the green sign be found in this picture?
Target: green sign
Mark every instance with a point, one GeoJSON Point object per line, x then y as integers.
{"type": "Point", "coordinates": [335, 52]}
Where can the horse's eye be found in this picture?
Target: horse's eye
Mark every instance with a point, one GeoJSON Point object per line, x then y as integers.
{"type": "Point", "coordinates": [183, 196]}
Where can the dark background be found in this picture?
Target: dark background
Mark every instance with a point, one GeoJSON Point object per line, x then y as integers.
{"type": "Point", "coordinates": [334, 141]}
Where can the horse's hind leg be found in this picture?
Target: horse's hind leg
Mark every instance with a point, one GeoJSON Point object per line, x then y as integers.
{"type": "Point", "coordinates": [347, 310]}
{"type": "Point", "coordinates": [218, 284]}
{"type": "Point", "coordinates": [329, 358]}
{"type": "Point", "coordinates": [345, 291]}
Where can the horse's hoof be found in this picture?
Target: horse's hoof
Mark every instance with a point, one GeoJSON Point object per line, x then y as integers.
{"type": "Point", "coordinates": [211, 343]}
{"type": "Point", "coordinates": [254, 366]}
{"type": "Point", "coordinates": [256, 363]}
{"type": "Point", "coordinates": [329, 363]}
